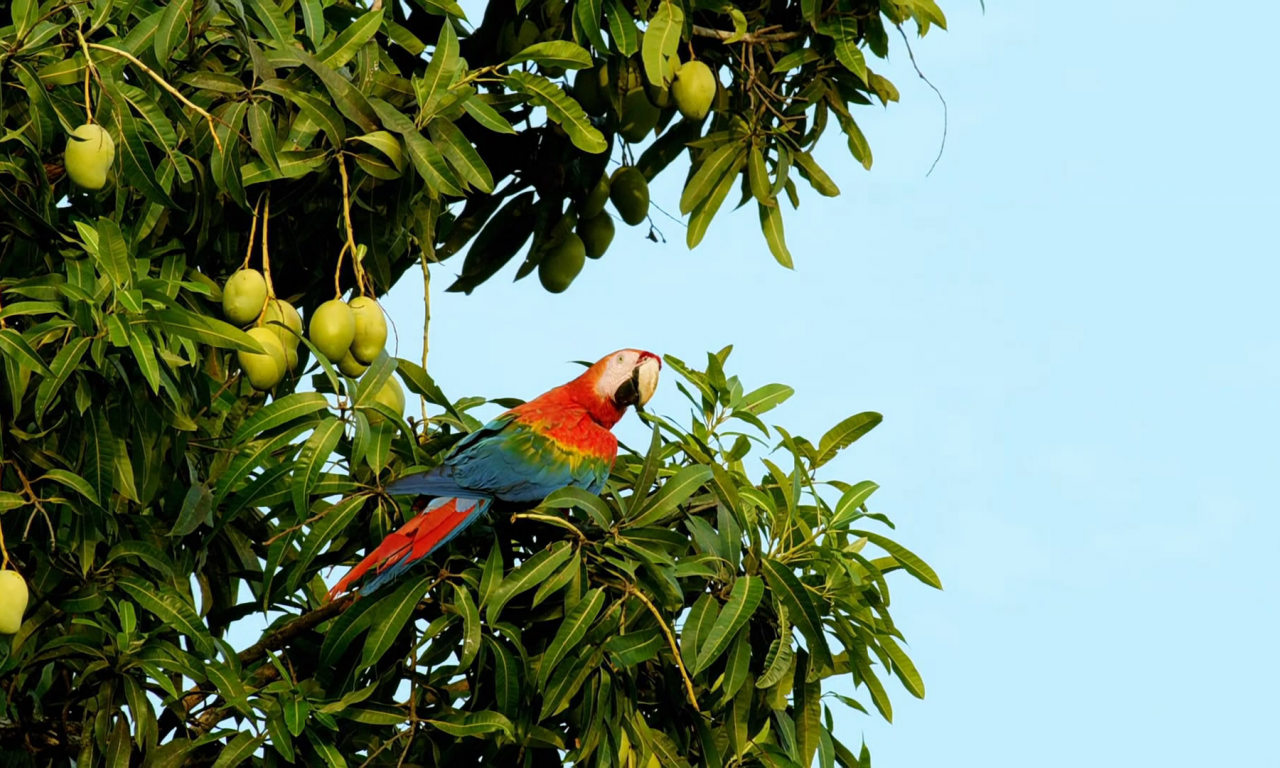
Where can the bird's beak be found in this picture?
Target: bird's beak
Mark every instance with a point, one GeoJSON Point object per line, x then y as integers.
{"type": "Point", "coordinates": [640, 385]}
{"type": "Point", "coordinates": [646, 378]}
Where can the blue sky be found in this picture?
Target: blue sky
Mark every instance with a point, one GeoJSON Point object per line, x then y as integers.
{"type": "Point", "coordinates": [1070, 328]}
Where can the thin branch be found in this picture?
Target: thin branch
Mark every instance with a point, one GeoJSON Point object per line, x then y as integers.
{"type": "Point", "coordinates": [675, 649]}
{"type": "Point", "coordinates": [750, 37]}
{"type": "Point", "coordinates": [912, 54]}
{"type": "Point", "coordinates": [165, 85]}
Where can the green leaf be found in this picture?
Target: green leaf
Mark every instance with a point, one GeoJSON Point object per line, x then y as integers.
{"type": "Point", "coordinates": [279, 413]}
{"type": "Point", "coordinates": [119, 748]}
{"type": "Point", "coordinates": [696, 627]}
{"type": "Point", "coordinates": [673, 493]}
{"type": "Point", "coordinates": [440, 70]}
{"type": "Point", "coordinates": [73, 481]}
{"type": "Point", "coordinates": [554, 53]}
{"type": "Point", "coordinates": [431, 165]}
{"type": "Point", "coordinates": [315, 454]}
{"type": "Point", "coordinates": [344, 47]}
{"type": "Point", "coordinates": [706, 210]}
{"type": "Point", "coordinates": [24, 14]}
{"type": "Point", "coordinates": [335, 521]}
{"type": "Point", "coordinates": [461, 154]}
{"type": "Point", "coordinates": [844, 31]}
{"type": "Point", "coordinates": [879, 696]}
{"type": "Point", "coordinates": [385, 143]}
{"type": "Point", "coordinates": [348, 99]}
{"type": "Point", "coordinates": [634, 647]}
{"type": "Point", "coordinates": [473, 724]}
{"type": "Point", "coordinates": [466, 608]}
{"type": "Point", "coordinates": [858, 146]}
{"type": "Point", "coordinates": [771, 225]}
{"type": "Point", "coordinates": [818, 178]}
{"type": "Point", "coordinates": [250, 458]}
{"type": "Point", "coordinates": [800, 609]}
{"type": "Point", "coordinates": [708, 176]}
{"type": "Point", "coordinates": [196, 509]}
{"type": "Point", "coordinates": [390, 616]}
{"type": "Point", "coordinates": [350, 625]}
{"type": "Point", "coordinates": [777, 662]}
{"type": "Point", "coordinates": [313, 20]}
{"type": "Point", "coordinates": [506, 676]}
{"type": "Point", "coordinates": [758, 177]}
{"type": "Point", "coordinates": [530, 573]}
{"type": "Point", "coordinates": [274, 20]}
{"type": "Point", "coordinates": [765, 398]}
{"type": "Point", "coordinates": [567, 680]}
{"type": "Point", "coordinates": [486, 115]}
{"type": "Point", "coordinates": [16, 348]}
{"type": "Point", "coordinates": [239, 749]}
{"type": "Point", "coordinates": [205, 329]}
{"type": "Point", "coordinates": [141, 550]}
{"type": "Point", "coordinates": [100, 456]}
{"type": "Point", "coordinates": [903, 667]}
{"type": "Point", "coordinates": [661, 39]}
{"type": "Point", "coordinates": [737, 665]}
{"type": "Point", "coordinates": [622, 28]}
{"type": "Point", "coordinates": [844, 434]}
{"type": "Point", "coordinates": [908, 559]}
{"type": "Point", "coordinates": [809, 10]}
{"type": "Point", "coordinates": [850, 501]}
{"type": "Point", "coordinates": [588, 17]}
{"type": "Point", "coordinates": [113, 253]}
{"type": "Point", "coordinates": [807, 711]}
{"type": "Point", "coordinates": [172, 610]}
{"type": "Point", "coordinates": [572, 629]}
{"type": "Point", "coordinates": [174, 25]}
{"type": "Point", "coordinates": [561, 108]}
{"type": "Point", "coordinates": [743, 601]}
{"type": "Point", "coordinates": [262, 134]}
{"type": "Point", "coordinates": [569, 497]}
{"type": "Point", "coordinates": [796, 59]}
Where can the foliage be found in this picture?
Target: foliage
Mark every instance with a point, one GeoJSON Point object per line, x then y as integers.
{"type": "Point", "coordinates": [211, 103]}
{"type": "Point", "coordinates": [692, 614]}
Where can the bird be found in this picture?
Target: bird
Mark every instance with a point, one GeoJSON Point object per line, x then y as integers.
{"type": "Point", "coordinates": [559, 439]}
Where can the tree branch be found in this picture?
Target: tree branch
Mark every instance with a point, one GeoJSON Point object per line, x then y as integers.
{"type": "Point", "coordinates": [750, 37]}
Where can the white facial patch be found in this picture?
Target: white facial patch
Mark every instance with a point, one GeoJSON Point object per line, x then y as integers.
{"type": "Point", "coordinates": [616, 372]}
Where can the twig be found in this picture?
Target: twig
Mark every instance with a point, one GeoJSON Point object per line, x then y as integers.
{"type": "Point", "coordinates": [675, 649]}
{"type": "Point", "coordinates": [163, 84]}
{"type": "Point", "coordinates": [351, 235]}
{"type": "Point", "coordinates": [31, 494]}
{"type": "Point", "coordinates": [428, 244]}
{"type": "Point", "coordinates": [88, 71]}
{"type": "Point", "coordinates": [253, 232]}
{"type": "Point", "coordinates": [912, 54]}
{"type": "Point", "coordinates": [750, 37]}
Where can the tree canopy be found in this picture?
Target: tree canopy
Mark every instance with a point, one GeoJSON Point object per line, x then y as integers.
{"type": "Point", "coordinates": [695, 613]}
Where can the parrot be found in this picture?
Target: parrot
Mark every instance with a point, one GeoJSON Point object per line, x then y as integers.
{"type": "Point", "coordinates": [559, 439]}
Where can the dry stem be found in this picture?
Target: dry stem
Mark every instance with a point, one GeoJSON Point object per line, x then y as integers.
{"type": "Point", "coordinates": [163, 84]}
{"type": "Point", "coordinates": [750, 37]}
{"type": "Point", "coordinates": [351, 235]}
{"type": "Point", "coordinates": [675, 649]}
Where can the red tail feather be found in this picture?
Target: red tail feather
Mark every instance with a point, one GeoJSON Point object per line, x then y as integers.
{"type": "Point", "coordinates": [414, 541]}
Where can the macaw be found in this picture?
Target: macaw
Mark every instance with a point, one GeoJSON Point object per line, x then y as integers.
{"type": "Point", "coordinates": [559, 439]}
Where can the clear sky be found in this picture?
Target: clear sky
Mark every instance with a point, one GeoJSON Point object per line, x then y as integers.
{"type": "Point", "coordinates": [1071, 329]}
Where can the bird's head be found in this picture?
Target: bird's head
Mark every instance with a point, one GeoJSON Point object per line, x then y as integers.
{"type": "Point", "coordinates": [626, 377]}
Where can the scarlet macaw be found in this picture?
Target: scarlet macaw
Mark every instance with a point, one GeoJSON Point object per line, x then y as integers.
{"type": "Point", "coordinates": [558, 439]}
